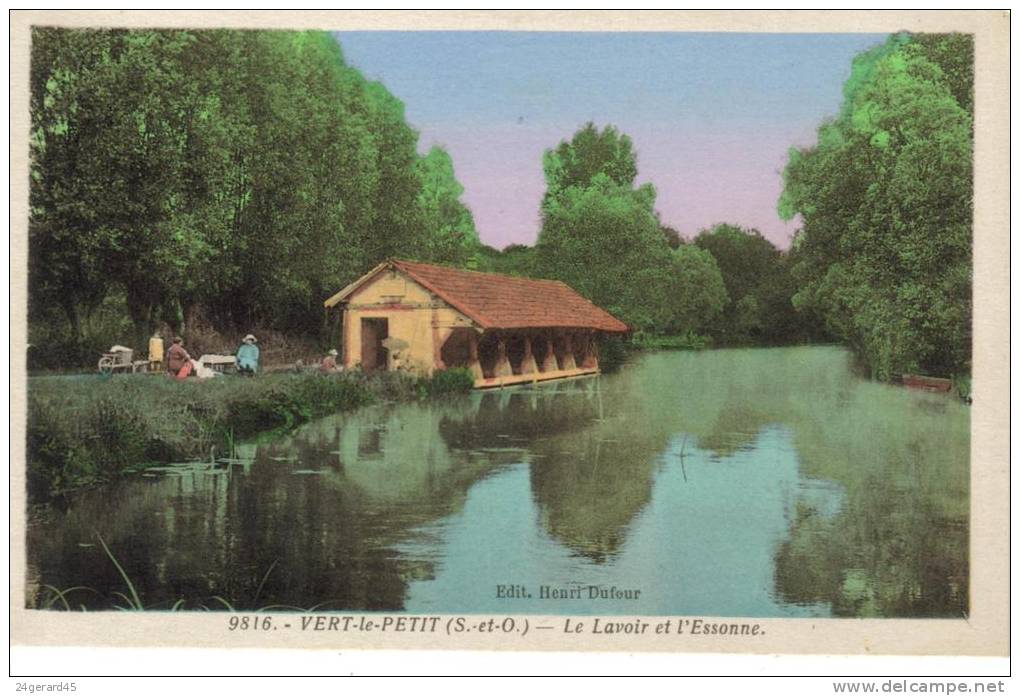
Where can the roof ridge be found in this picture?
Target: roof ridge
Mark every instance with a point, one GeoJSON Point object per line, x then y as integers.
{"type": "Point", "coordinates": [453, 301]}
{"type": "Point", "coordinates": [486, 273]}
{"type": "Point", "coordinates": [500, 302]}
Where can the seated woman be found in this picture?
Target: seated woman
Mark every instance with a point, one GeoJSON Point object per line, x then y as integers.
{"type": "Point", "coordinates": [328, 364]}
{"type": "Point", "coordinates": [248, 356]}
{"type": "Point", "coordinates": [178, 362]}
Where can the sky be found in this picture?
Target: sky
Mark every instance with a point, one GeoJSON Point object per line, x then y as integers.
{"type": "Point", "coordinates": [712, 116]}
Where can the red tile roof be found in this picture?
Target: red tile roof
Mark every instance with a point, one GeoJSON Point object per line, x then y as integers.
{"type": "Point", "coordinates": [497, 301]}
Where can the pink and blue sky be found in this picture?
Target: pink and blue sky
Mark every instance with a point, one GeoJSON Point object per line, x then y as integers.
{"type": "Point", "coordinates": [712, 116]}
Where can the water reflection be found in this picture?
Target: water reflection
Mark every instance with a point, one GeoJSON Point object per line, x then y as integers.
{"type": "Point", "coordinates": [766, 482]}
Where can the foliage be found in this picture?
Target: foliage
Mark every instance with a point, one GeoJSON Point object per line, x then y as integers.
{"type": "Point", "coordinates": [886, 199]}
{"type": "Point", "coordinates": [686, 341]}
{"type": "Point", "coordinates": [603, 240]}
{"type": "Point", "coordinates": [672, 236]}
{"type": "Point", "coordinates": [588, 154]}
{"type": "Point", "coordinates": [83, 430]}
{"type": "Point", "coordinates": [450, 228]}
{"type": "Point", "coordinates": [455, 380]}
{"type": "Point", "coordinates": [612, 352]}
{"type": "Point", "coordinates": [248, 172]}
{"type": "Point", "coordinates": [53, 344]}
{"type": "Point", "coordinates": [243, 176]}
{"type": "Point", "coordinates": [698, 291]}
{"type": "Point", "coordinates": [759, 308]}
{"type": "Point", "coordinates": [600, 235]}
{"type": "Point", "coordinates": [515, 259]}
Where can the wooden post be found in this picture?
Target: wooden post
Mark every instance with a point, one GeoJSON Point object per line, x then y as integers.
{"type": "Point", "coordinates": [591, 360]}
{"type": "Point", "coordinates": [528, 365]}
{"type": "Point", "coordinates": [347, 337]}
{"type": "Point", "coordinates": [549, 361]}
{"type": "Point", "coordinates": [568, 353]}
{"type": "Point", "coordinates": [593, 351]}
{"type": "Point", "coordinates": [474, 365]}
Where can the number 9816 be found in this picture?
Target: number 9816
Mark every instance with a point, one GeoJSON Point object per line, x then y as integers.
{"type": "Point", "coordinates": [250, 623]}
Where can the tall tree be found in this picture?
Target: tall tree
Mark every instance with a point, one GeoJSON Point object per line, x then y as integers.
{"type": "Point", "coordinates": [249, 173]}
{"type": "Point", "coordinates": [698, 293]}
{"type": "Point", "coordinates": [886, 202]}
{"type": "Point", "coordinates": [120, 166]}
{"type": "Point", "coordinates": [600, 234]}
{"type": "Point", "coordinates": [68, 237]}
{"type": "Point", "coordinates": [672, 236]}
{"type": "Point", "coordinates": [589, 153]}
{"type": "Point", "coordinates": [759, 308]}
{"type": "Point", "coordinates": [450, 232]}
{"type": "Point", "coordinates": [514, 259]}
{"type": "Point", "coordinates": [604, 241]}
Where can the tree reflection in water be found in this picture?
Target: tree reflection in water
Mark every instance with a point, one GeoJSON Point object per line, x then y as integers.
{"type": "Point", "coordinates": [822, 490]}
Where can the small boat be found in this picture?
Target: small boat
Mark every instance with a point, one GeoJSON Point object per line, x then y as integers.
{"type": "Point", "coordinates": [933, 384]}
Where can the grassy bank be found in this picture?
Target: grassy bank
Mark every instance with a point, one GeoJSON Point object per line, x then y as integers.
{"type": "Point", "coordinates": [87, 430]}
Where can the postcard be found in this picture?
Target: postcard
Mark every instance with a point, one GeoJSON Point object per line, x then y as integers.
{"type": "Point", "coordinates": [613, 331]}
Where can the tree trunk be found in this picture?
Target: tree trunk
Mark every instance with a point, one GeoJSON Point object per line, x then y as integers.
{"type": "Point", "coordinates": [140, 310]}
{"type": "Point", "coordinates": [78, 356]}
{"type": "Point", "coordinates": [174, 316]}
{"type": "Point", "coordinates": [74, 319]}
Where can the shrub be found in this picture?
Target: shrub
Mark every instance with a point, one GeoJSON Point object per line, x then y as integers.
{"type": "Point", "coordinates": [612, 353]}
{"type": "Point", "coordinates": [85, 430]}
{"type": "Point", "coordinates": [457, 380]}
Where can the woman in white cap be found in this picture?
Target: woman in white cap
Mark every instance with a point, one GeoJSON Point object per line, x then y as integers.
{"type": "Point", "coordinates": [328, 364]}
{"type": "Point", "coordinates": [248, 356]}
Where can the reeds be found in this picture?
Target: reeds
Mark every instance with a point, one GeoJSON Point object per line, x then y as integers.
{"type": "Point", "coordinates": [56, 598]}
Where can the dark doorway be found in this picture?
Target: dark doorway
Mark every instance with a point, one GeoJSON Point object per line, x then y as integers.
{"type": "Point", "coordinates": [373, 352]}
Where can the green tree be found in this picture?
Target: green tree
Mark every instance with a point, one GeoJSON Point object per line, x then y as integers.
{"type": "Point", "coordinates": [450, 232]}
{"type": "Point", "coordinates": [589, 153]}
{"type": "Point", "coordinates": [672, 236]}
{"type": "Point", "coordinates": [604, 241]}
{"type": "Point", "coordinates": [760, 308]}
{"type": "Point", "coordinates": [307, 175]}
{"type": "Point", "coordinates": [601, 235]}
{"type": "Point", "coordinates": [68, 241]}
{"type": "Point", "coordinates": [886, 201]}
{"type": "Point", "coordinates": [246, 174]}
{"type": "Point", "coordinates": [120, 167]}
{"type": "Point", "coordinates": [698, 294]}
{"type": "Point", "coordinates": [514, 259]}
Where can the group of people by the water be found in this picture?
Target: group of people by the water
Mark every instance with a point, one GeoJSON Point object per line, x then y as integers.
{"type": "Point", "coordinates": [180, 365]}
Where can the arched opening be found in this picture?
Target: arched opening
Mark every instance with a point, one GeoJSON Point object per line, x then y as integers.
{"type": "Point", "coordinates": [515, 350]}
{"type": "Point", "coordinates": [564, 347]}
{"type": "Point", "coordinates": [488, 354]}
{"type": "Point", "coordinates": [456, 351]}
{"type": "Point", "coordinates": [540, 349]}
{"type": "Point", "coordinates": [579, 342]}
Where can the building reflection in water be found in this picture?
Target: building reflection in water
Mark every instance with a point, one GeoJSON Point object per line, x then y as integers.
{"type": "Point", "coordinates": [823, 491]}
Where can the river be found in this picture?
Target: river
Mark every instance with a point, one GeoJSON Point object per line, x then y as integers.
{"type": "Point", "coordinates": [760, 482]}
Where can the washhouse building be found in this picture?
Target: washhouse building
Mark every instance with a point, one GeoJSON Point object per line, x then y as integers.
{"type": "Point", "coordinates": [404, 315]}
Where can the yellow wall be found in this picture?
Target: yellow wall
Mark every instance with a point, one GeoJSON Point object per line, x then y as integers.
{"type": "Point", "coordinates": [413, 325]}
